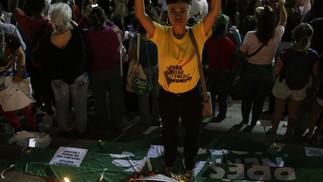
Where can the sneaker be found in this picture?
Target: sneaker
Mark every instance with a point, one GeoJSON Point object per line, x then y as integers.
{"type": "Point", "coordinates": [308, 138]}
{"type": "Point", "coordinates": [316, 139]}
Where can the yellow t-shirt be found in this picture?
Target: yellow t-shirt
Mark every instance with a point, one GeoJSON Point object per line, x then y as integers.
{"type": "Point", "coordinates": [177, 61]}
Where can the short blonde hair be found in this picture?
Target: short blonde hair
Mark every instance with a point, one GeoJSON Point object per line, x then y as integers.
{"type": "Point", "coordinates": [302, 35]}
{"type": "Point", "coordinates": [61, 15]}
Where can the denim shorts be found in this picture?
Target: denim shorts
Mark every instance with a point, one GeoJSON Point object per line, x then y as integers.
{"type": "Point", "coordinates": [282, 91]}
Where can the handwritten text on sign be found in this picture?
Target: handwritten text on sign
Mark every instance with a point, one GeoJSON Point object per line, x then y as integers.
{"type": "Point", "coordinates": [68, 156]}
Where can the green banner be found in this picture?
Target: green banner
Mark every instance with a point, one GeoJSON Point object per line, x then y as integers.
{"type": "Point", "coordinates": [113, 161]}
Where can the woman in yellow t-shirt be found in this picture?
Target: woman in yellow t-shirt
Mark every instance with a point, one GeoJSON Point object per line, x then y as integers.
{"type": "Point", "coordinates": [179, 75]}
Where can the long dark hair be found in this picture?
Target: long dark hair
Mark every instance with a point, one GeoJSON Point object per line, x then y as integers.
{"type": "Point", "coordinates": [97, 18]}
{"type": "Point", "coordinates": [36, 6]}
{"type": "Point", "coordinates": [266, 23]}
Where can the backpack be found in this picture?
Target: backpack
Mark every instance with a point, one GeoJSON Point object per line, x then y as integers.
{"type": "Point", "coordinates": [296, 69]}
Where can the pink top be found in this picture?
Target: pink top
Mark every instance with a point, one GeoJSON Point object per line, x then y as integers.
{"type": "Point", "coordinates": [104, 46]}
{"type": "Point", "coordinates": [267, 54]}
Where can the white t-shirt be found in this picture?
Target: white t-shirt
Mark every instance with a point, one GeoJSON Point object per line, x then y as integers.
{"type": "Point", "coordinates": [199, 6]}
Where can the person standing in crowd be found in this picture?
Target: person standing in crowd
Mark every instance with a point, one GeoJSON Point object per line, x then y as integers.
{"type": "Point", "coordinates": [257, 76]}
{"type": "Point", "coordinates": [76, 10]}
{"type": "Point", "coordinates": [163, 12]}
{"type": "Point", "coordinates": [104, 42]}
{"type": "Point", "coordinates": [147, 104]}
{"type": "Point", "coordinates": [230, 8]}
{"type": "Point", "coordinates": [9, 50]}
{"type": "Point", "coordinates": [250, 16]}
{"type": "Point", "coordinates": [148, 113]}
{"type": "Point", "coordinates": [316, 44]}
{"type": "Point", "coordinates": [284, 90]}
{"type": "Point", "coordinates": [314, 133]}
{"type": "Point", "coordinates": [314, 12]}
{"type": "Point", "coordinates": [34, 27]}
{"type": "Point", "coordinates": [64, 61]}
{"type": "Point", "coordinates": [219, 51]}
{"type": "Point", "coordinates": [11, 29]}
{"type": "Point", "coordinates": [179, 75]}
{"type": "Point", "coordinates": [294, 18]}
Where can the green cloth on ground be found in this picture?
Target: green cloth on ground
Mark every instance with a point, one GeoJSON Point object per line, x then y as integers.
{"type": "Point", "coordinates": [213, 163]}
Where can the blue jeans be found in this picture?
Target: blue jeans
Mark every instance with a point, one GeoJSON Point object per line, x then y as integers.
{"type": "Point", "coordinates": [78, 91]}
{"type": "Point", "coordinates": [149, 113]}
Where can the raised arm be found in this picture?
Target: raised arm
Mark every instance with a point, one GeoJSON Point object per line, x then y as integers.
{"type": "Point", "coordinates": [214, 11]}
{"type": "Point", "coordinates": [278, 67]}
{"type": "Point", "coordinates": [143, 18]}
{"type": "Point", "coordinates": [282, 13]}
{"type": "Point", "coordinates": [307, 7]}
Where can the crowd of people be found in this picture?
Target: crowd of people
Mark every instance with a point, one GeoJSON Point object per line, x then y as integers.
{"type": "Point", "coordinates": [71, 48]}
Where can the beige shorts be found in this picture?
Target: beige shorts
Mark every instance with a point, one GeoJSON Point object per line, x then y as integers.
{"type": "Point", "coordinates": [282, 91]}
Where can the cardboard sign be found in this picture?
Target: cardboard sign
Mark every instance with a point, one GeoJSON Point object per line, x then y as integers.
{"type": "Point", "coordinates": [68, 156]}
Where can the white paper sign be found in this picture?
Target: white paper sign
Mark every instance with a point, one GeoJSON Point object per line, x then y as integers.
{"type": "Point", "coordinates": [158, 177]}
{"type": "Point", "coordinates": [68, 156]}
{"type": "Point", "coordinates": [313, 151]}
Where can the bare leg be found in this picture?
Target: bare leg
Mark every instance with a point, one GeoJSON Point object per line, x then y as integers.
{"type": "Point", "coordinates": [315, 116]}
{"type": "Point", "coordinates": [293, 108]}
{"type": "Point", "coordinates": [278, 111]}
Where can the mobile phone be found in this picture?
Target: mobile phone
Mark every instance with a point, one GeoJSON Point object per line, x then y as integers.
{"type": "Point", "coordinates": [32, 142]}
{"type": "Point", "coordinates": [94, 5]}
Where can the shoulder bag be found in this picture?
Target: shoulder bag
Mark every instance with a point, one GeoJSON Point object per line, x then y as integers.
{"type": "Point", "coordinates": [136, 80]}
{"type": "Point", "coordinates": [206, 104]}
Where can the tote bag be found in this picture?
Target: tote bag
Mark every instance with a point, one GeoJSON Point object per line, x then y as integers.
{"type": "Point", "coordinates": [136, 79]}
